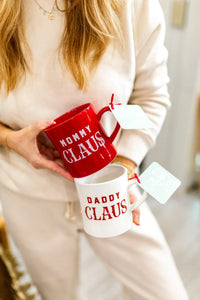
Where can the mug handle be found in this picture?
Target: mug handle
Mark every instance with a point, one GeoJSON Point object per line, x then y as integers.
{"type": "Point", "coordinates": [142, 198]}
{"type": "Point", "coordinates": [117, 127]}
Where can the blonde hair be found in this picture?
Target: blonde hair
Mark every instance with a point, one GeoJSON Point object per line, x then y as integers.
{"type": "Point", "coordinates": [90, 26]}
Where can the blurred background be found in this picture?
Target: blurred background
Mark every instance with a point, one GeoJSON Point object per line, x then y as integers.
{"type": "Point", "coordinates": [178, 145]}
{"type": "Point", "coordinates": [177, 148]}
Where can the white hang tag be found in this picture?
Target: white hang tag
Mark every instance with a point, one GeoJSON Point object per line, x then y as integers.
{"type": "Point", "coordinates": [130, 116]}
{"type": "Point", "coordinates": [158, 182]}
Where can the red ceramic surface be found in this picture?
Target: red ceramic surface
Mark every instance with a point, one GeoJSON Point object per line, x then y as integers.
{"type": "Point", "coordinates": [81, 140]}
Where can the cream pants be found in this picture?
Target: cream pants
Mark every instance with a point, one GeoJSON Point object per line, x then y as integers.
{"type": "Point", "coordinates": [67, 264]}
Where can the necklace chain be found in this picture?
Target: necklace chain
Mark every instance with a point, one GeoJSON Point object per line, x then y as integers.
{"type": "Point", "coordinates": [50, 13]}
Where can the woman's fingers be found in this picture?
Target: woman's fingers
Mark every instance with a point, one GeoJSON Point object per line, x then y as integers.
{"type": "Point", "coordinates": [42, 162]}
{"type": "Point", "coordinates": [135, 212]}
{"type": "Point", "coordinates": [40, 125]}
{"type": "Point", "coordinates": [46, 159]}
{"type": "Point", "coordinates": [25, 143]}
{"type": "Point", "coordinates": [56, 153]}
{"type": "Point", "coordinates": [43, 139]}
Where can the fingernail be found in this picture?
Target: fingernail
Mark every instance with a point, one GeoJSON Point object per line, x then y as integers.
{"type": "Point", "coordinates": [50, 122]}
{"type": "Point", "coordinates": [136, 219]}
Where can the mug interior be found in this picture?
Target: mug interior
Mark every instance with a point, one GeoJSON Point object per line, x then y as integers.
{"type": "Point", "coordinates": [107, 174]}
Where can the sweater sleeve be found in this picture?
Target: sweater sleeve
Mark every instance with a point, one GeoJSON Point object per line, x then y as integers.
{"type": "Point", "coordinates": [151, 78]}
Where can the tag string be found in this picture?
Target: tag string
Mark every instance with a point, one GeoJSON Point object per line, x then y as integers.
{"type": "Point", "coordinates": [135, 177]}
{"type": "Point", "coordinates": [111, 102]}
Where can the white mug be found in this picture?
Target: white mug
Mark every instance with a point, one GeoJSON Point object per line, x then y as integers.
{"type": "Point", "coordinates": [105, 204]}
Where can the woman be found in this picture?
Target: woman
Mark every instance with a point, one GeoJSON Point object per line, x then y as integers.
{"type": "Point", "coordinates": [55, 56]}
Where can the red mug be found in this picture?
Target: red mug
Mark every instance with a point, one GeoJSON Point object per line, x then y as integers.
{"type": "Point", "coordinates": [81, 141]}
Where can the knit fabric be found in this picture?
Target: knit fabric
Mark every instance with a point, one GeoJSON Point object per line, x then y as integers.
{"type": "Point", "coordinates": [137, 75]}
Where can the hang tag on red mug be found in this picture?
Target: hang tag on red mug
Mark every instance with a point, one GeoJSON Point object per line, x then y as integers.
{"type": "Point", "coordinates": [130, 116]}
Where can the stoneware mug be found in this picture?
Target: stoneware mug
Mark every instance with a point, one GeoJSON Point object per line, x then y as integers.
{"type": "Point", "coordinates": [104, 200]}
{"type": "Point", "coordinates": [81, 141]}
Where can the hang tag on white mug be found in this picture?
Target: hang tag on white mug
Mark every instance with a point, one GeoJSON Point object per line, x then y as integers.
{"type": "Point", "coordinates": [158, 182]}
{"type": "Point", "coordinates": [130, 116]}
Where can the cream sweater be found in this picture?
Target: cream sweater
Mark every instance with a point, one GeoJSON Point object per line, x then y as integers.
{"type": "Point", "coordinates": [138, 76]}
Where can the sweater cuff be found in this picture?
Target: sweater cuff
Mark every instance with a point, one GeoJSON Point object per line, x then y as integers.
{"type": "Point", "coordinates": [134, 147]}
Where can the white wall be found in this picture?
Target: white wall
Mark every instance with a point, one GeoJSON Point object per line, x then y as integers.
{"type": "Point", "coordinates": [175, 148]}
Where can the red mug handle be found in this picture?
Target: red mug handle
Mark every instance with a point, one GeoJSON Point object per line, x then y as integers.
{"type": "Point", "coordinates": [117, 127]}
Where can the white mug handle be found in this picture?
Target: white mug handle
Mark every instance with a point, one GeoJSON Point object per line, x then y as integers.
{"type": "Point", "coordinates": [142, 198]}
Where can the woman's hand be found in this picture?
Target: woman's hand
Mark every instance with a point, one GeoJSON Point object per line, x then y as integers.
{"type": "Point", "coordinates": [131, 166]}
{"type": "Point", "coordinates": [32, 144]}
{"type": "Point", "coordinates": [135, 212]}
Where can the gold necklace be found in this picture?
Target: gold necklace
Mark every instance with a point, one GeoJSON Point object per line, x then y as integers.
{"type": "Point", "coordinates": [50, 13]}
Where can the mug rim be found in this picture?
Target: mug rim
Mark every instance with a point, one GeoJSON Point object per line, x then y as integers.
{"type": "Point", "coordinates": [79, 180]}
{"type": "Point", "coordinates": [83, 106]}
